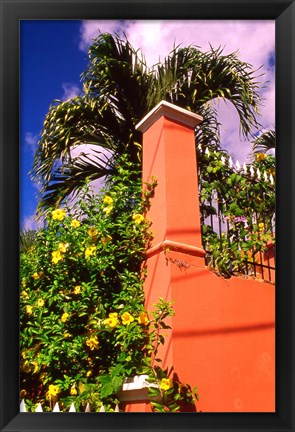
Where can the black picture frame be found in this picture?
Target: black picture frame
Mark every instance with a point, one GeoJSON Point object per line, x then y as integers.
{"type": "Point", "coordinates": [12, 11]}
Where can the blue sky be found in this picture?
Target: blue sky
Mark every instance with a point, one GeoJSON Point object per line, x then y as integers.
{"type": "Point", "coordinates": [51, 63]}
{"type": "Point", "coordinates": [53, 55]}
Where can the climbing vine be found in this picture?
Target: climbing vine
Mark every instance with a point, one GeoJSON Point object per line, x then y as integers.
{"type": "Point", "coordinates": [238, 210]}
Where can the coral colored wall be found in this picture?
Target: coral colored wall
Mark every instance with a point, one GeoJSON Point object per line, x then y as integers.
{"type": "Point", "coordinates": [223, 332]}
{"type": "Point", "coordinates": [136, 406]}
{"type": "Point", "coordinates": [222, 338]}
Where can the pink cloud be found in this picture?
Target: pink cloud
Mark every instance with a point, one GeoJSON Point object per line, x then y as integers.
{"type": "Point", "coordinates": [91, 29]}
{"type": "Point", "coordinates": [255, 40]}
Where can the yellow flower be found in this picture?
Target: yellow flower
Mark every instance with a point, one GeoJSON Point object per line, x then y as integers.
{"type": "Point", "coordinates": [165, 384]}
{"type": "Point", "coordinates": [108, 209]}
{"type": "Point", "coordinates": [65, 317]}
{"type": "Point", "coordinates": [75, 223]}
{"type": "Point", "coordinates": [260, 156]}
{"type": "Point", "coordinates": [261, 226]}
{"type": "Point", "coordinates": [62, 247]}
{"type": "Point", "coordinates": [106, 239]}
{"type": "Point", "coordinates": [108, 200]}
{"type": "Point", "coordinates": [77, 289]}
{"type": "Point", "coordinates": [112, 321]}
{"type": "Point", "coordinates": [25, 294]}
{"type": "Point", "coordinates": [93, 233]}
{"type": "Point", "coordinates": [56, 256]}
{"type": "Point", "coordinates": [53, 391]}
{"type": "Point", "coordinates": [127, 318]}
{"type": "Point", "coordinates": [88, 374]}
{"type": "Point", "coordinates": [143, 318]}
{"type": "Point", "coordinates": [29, 310]}
{"type": "Point", "coordinates": [90, 251]}
{"type": "Point", "coordinates": [40, 302]}
{"type": "Point", "coordinates": [37, 275]}
{"type": "Point", "coordinates": [73, 390]}
{"type": "Point", "coordinates": [58, 214]}
{"type": "Point", "coordinates": [138, 218]}
{"type": "Point", "coordinates": [66, 335]}
{"type": "Point", "coordinates": [92, 343]}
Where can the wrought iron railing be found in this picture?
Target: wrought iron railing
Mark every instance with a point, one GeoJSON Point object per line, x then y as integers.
{"type": "Point", "coordinates": [241, 243]}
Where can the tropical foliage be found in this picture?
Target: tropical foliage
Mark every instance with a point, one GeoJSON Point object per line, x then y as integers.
{"type": "Point", "coordinates": [84, 327]}
{"type": "Point", "coordinates": [238, 211]}
{"type": "Point", "coordinates": [264, 142]}
{"type": "Point", "coordinates": [119, 89]}
{"type": "Point", "coordinates": [27, 239]}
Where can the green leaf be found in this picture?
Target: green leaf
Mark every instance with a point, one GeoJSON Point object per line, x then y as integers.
{"type": "Point", "coordinates": [106, 390]}
{"type": "Point", "coordinates": [105, 379]}
{"type": "Point", "coordinates": [157, 405]}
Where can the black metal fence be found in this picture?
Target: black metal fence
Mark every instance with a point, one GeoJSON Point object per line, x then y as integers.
{"type": "Point", "coordinates": [238, 232]}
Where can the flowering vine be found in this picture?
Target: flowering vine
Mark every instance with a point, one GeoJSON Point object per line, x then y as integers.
{"type": "Point", "coordinates": [84, 327]}
{"type": "Point", "coordinates": [238, 210]}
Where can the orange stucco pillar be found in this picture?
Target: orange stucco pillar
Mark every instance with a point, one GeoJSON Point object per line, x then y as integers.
{"type": "Point", "coordinates": [169, 155]}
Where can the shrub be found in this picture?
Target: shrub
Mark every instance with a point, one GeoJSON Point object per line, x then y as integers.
{"type": "Point", "coordinates": [84, 327]}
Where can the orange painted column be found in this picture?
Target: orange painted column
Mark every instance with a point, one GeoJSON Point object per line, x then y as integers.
{"type": "Point", "coordinates": [169, 155]}
{"type": "Point", "coordinates": [222, 337]}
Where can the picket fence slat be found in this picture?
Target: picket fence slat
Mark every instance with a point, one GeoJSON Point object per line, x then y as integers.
{"type": "Point", "coordinates": [56, 408]}
{"type": "Point", "coordinates": [22, 407]}
{"type": "Point", "coordinates": [39, 408]}
{"type": "Point", "coordinates": [72, 408]}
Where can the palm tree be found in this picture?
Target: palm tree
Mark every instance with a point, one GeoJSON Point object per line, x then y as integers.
{"type": "Point", "coordinates": [264, 142]}
{"type": "Point", "coordinates": [119, 90]}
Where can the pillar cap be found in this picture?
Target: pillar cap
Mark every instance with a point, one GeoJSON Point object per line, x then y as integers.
{"type": "Point", "coordinates": [171, 111]}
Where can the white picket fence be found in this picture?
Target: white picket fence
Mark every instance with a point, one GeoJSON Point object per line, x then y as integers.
{"type": "Point", "coordinates": [134, 389]}
{"type": "Point", "coordinates": [56, 408]}
{"type": "Point", "coordinates": [243, 169]}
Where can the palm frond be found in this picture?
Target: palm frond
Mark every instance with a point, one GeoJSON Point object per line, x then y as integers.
{"type": "Point", "coordinates": [68, 124]}
{"type": "Point", "coordinates": [194, 78]}
{"type": "Point", "coordinates": [67, 180]}
{"type": "Point", "coordinates": [264, 142]}
{"type": "Point", "coordinates": [119, 90]}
